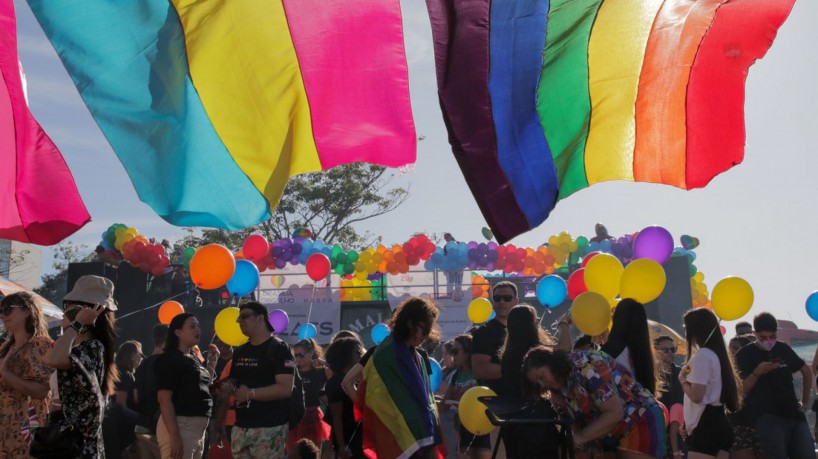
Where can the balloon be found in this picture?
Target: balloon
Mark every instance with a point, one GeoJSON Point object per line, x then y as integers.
{"type": "Point", "coordinates": [602, 275]}
{"type": "Point", "coordinates": [227, 329]}
{"type": "Point", "coordinates": [472, 411]}
{"type": "Point", "coordinates": [379, 333]}
{"type": "Point", "coordinates": [643, 280]}
{"type": "Point", "coordinates": [169, 310]}
{"type": "Point", "coordinates": [245, 279]}
{"type": "Point", "coordinates": [653, 242]}
{"type": "Point", "coordinates": [588, 258]}
{"type": "Point", "coordinates": [689, 242]}
{"type": "Point", "coordinates": [279, 320]}
{"type": "Point", "coordinates": [437, 375]}
{"type": "Point", "coordinates": [576, 283]}
{"type": "Point", "coordinates": [479, 310]}
{"type": "Point", "coordinates": [255, 247]}
{"type": "Point", "coordinates": [318, 266]}
{"type": "Point", "coordinates": [551, 291]}
{"type": "Point", "coordinates": [487, 233]}
{"type": "Point", "coordinates": [812, 305]}
{"type": "Point", "coordinates": [307, 331]}
{"type": "Point", "coordinates": [591, 313]}
{"type": "Point", "coordinates": [732, 298]}
{"type": "Point", "coordinates": [212, 266]}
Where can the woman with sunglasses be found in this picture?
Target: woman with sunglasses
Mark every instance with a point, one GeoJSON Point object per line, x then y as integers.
{"type": "Point", "coordinates": [184, 396]}
{"type": "Point", "coordinates": [84, 359]}
{"type": "Point", "coordinates": [453, 388]}
{"type": "Point", "coordinates": [710, 385]}
{"type": "Point", "coordinates": [308, 354]}
{"type": "Point", "coordinates": [395, 398]}
{"type": "Point", "coordinates": [24, 377]}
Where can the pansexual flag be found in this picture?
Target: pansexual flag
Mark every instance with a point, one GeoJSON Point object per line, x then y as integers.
{"type": "Point", "coordinates": [212, 106]}
{"type": "Point", "coordinates": [544, 98]}
{"type": "Point", "coordinates": [39, 201]}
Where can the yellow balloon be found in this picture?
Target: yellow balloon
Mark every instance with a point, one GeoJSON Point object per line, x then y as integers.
{"type": "Point", "coordinates": [591, 313]}
{"type": "Point", "coordinates": [472, 412]}
{"type": "Point", "coordinates": [643, 280]}
{"type": "Point", "coordinates": [227, 329]}
{"type": "Point", "coordinates": [602, 274]}
{"type": "Point", "coordinates": [479, 310]}
{"type": "Point", "coordinates": [732, 298]}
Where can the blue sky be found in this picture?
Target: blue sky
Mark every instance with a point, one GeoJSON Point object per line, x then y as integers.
{"type": "Point", "coordinates": [758, 221]}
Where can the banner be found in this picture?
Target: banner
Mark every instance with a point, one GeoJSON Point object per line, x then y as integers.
{"type": "Point", "coordinates": [291, 290]}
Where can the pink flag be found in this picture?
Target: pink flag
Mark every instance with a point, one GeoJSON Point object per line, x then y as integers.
{"type": "Point", "coordinates": [39, 201]}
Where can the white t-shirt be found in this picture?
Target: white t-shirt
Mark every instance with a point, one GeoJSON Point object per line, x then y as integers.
{"type": "Point", "coordinates": [624, 359]}
{"type": "Point", "coordinates": [705, 369]}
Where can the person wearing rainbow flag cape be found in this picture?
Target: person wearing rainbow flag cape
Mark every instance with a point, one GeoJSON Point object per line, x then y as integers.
{"type": "Point", "coordinates": [395, 402]}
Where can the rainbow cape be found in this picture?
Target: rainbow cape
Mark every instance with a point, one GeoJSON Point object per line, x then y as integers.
{"type": "Point", "coordinates": [212, 106]}
{"type": "Point", "coordinates": [396, 405]}
{"type": "Point", "coordinates": [40, 202]}
{"type": "Point", "coordinates": [544, 98]}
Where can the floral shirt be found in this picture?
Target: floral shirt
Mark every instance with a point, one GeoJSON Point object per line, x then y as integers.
{"type": "Point", "coordinates": [26, 362]}
{"type": "Point", "coordinates": [596, 377]}
{"type": "Point", "coordinates": [81, 404]}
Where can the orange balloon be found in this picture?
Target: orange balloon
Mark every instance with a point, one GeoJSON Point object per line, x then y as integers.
{"type": "Point", "coordinates": [169, 310]}
{"type": "Point", "coordinates": [212, 266]}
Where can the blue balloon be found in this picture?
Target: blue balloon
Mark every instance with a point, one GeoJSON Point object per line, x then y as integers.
{"type": "Point", "coordinates": [812, 305]}
{"type": "Point", "coordinates": [493, 315]}
{"type": "Point", "coordinates": [307, 331]}
{"type": "Point", "coordinates": [245, 278]}
{"type": "Point", "coordinates": [379, 332]}
{"type": "Point", "coordinates": [437, 375]}
{"type": "Point", "coordinates": [552, 291]}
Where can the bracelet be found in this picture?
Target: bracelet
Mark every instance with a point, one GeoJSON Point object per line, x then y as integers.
{"type": "Point", "coordinates": [251, 395]}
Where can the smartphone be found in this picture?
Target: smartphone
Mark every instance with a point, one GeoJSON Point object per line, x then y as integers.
{"type": "Point", "coordinates": [777, 360]}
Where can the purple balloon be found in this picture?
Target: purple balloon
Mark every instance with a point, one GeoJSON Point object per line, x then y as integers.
{"type": "Point", "coordinates": [281, 263]}
{"type": "Point", "coordinates": [472, 264]}
{"type": "Point", "coordinates": [297, 248]}
{"type": "Point", "coordinates": [473, 245]}
{"type": "Point", "coordinates": [653, 242]}
{"type": "Point", "coordinates": [492, 245]}
{"type": "Point", "coordinates": [279, 320]}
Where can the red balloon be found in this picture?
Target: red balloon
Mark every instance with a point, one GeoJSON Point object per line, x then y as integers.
{"type": "Point", "coordinates": [318, 266]}
{"type": "Point", "coordinates": [588, 258]}
{"type": "Point", "coordinates": [576, 283]}
{"type": "Point", "coordinates": [255, 247]}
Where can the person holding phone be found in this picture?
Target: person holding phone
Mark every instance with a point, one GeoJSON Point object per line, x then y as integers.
{"type": "Point", "coordinates": [766, 368]}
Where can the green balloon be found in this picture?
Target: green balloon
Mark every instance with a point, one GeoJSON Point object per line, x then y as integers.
{"type": "Point", "coordinates": [582, 241]}
{"type": "Point", "coordinates": [352, 256]}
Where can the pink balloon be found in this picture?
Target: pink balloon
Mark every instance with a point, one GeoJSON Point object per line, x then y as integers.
{"type": "Point", "coordinates": [255, 247]}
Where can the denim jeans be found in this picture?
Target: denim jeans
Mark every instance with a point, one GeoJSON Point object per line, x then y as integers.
{"type": "Point", "coordinates": [780, 438]}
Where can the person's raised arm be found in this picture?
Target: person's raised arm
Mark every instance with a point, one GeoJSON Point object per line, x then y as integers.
{"type": "Point", "coordinates": [59, 357]}
{"type": "Point", "coordinates": [351, 379]}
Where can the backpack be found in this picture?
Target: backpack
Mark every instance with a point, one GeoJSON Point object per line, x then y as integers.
{"type": "Point", "coordinates": [297, 407]}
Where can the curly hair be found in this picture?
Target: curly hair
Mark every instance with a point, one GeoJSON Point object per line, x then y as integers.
{"type": "Point", "coordinates": [541, 356]}
{"type": "Point", "coordinates": [411, 313]}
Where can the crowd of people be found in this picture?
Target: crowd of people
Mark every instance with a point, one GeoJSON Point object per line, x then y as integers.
{"type": "Point", "coordinates": [621, 393]}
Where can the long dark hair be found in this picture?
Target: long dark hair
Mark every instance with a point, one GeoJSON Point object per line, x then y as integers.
{"type": "Point", "coordinates": [541, 356]}
{"type": "Point", "coordinates": [702, 330]}
{"type": "Point", "coordinates": [523, 331]}
{"type": "Point", "coordinates": [630, 330]}
{"type": "Point", "coordinates": [104, 329]}
{"type": "Point", "coordinates": [172, 341]}
{"type": "Point", "coordinates": [411, 313]}
{"type": "Point", "coordinates": [125, 355]}
{"type": "Point", "coordinates": [35, 322]}
{"type": "Point", "coordinates": [342, 354]}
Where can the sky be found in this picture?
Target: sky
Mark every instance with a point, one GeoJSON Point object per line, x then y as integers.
{"type": "Point", "coordinates": [758, 220]}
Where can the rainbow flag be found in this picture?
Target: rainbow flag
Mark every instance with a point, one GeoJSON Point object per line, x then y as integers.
{"type": "Point", "coordinates": [544, 98]}
{"type": "Point", "coordinates": [212, 106]}
{"type": "Point", "coordinates": [40, 201]}
{"type": "Point", "coordinates": [396, 405]}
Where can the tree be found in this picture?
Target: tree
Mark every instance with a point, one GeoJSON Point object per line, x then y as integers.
{"type": "Point", "coordinates": [11, 261]}
{"type": "Point", "coordinates": [328, 203]}
{"type": "Point", "coordinates": [55, 284]}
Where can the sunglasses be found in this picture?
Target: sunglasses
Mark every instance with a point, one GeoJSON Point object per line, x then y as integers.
{"type": "Point", "coordinates": [6, 310]}
{"type": "Point", "coordinates": [503, 298]}
{"type": "Point", "coordinates": [67, 304]}
{"type": "Point", "coordinates": [300, 355]}
{"type": "Point", "coordinates": [668, 350]}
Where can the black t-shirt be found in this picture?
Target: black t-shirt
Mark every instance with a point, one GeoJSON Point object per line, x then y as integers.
{"type": "Point", "coordinates": [126, 384]}
{"type": "Point", "coordinates": [257, 366]}
{"type": "Point", "coordinates": [145, 384]}
{"type": "Point", "coordinates": [313, 382]}
{"type": "Point", "coordinates": [188, 379]}
{"type": "Point", "coordinates": [773, 392]}
{"type": "Point", "coordinates": [336, 394]}
{"type": "Point", "coordinates": [487, 340]}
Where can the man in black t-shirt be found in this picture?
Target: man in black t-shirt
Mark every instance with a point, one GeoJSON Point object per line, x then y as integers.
{"type": "Point", "coordinates": [770, 405]}
{"type": "Point", "coordinates": [487, 341]}
{"type": "Point", "coordinates": [261, 381]}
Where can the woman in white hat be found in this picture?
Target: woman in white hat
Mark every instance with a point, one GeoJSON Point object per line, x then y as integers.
{"type": "Point", "coordinates": [84, 359]}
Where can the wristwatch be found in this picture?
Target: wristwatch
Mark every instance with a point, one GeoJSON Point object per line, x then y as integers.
{"type": "Point", "coordinates": [80, 328]}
